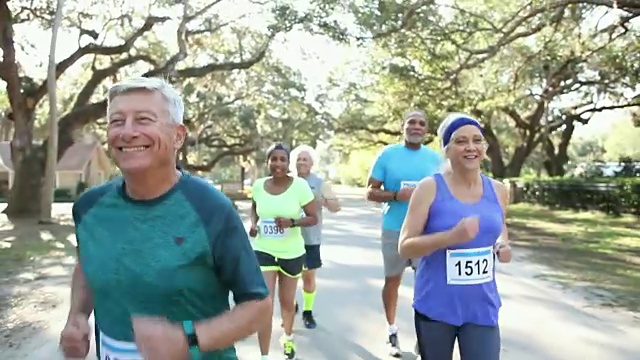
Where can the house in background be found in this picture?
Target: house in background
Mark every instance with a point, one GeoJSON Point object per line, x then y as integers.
{"type": "Point", "coordinates": [85, 161]}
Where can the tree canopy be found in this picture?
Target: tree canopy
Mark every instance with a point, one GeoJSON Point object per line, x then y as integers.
{"type": "Point", "coordinates": [533, 71]}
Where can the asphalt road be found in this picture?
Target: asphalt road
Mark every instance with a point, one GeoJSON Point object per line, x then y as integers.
{"type": "Point", "coordinates": [539, 320]}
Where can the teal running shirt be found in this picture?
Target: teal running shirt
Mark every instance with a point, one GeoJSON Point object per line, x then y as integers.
{"type": "Point", "coordinates": [177, 256]}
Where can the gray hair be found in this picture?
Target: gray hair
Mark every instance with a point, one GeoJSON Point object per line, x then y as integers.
{"type": "Point", "coordinates": [313, 154]}
{"type": "Point", "coordinates": [410, 114]}
{"type": "Point", "coordinates": [175, 105]}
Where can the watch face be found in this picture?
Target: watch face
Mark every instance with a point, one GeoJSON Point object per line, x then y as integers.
{"type": "Point", "coordinates": [192, 340]}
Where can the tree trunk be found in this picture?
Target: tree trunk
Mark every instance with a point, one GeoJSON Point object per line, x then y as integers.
{"type": "Point", "coordinates": [557, 159]}
{"type": "Point", "coordinates": [24, 194]}
{"type": "Point", "coordinates": [520, 155]}
{"type": "Point", "coordinates": [49, 182]}
{"type": "Point", "coordinates": [24, 197]}
{"type": "Point", "coordinates": [494, 152]}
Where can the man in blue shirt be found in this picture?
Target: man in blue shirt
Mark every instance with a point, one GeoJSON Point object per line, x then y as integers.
{"type": "Point", "coordinates": [395, 173]}
{"type": "Point", "coordinates": [159, 250]}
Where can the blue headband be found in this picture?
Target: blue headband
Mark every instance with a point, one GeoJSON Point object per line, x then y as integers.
{"type": "Point", "coordinates": [457, 124]}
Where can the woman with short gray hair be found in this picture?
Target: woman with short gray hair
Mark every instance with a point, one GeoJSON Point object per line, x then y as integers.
{"type": "Point", "coordinates": [304, 157]}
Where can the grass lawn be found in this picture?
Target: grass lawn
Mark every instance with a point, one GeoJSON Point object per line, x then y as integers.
{"type": "Point", "coordinates": [583, 247]}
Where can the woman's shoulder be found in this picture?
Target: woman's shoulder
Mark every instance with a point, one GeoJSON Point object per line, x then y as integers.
{"type": "Point", "coordinates": [500, 188]}
{"type": "Point", "coordinates": [427, 186]}
{"type": "Point", "coordinates": [258, 185]}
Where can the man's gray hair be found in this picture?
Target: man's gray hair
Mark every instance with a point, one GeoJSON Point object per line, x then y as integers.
{"type": "Point", "coordinates": [175, 105]}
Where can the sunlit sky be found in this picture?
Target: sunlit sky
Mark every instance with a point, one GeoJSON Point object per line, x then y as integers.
{"type": "Point", "coordinates": [316, 57]}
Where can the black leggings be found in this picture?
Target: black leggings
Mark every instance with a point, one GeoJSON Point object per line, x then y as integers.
{"type": "Point", "coordinates": [475, 342]}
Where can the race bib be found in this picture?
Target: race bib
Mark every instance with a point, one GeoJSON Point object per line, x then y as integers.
{"type": "Point", "coordinates": [269, 229]}
{"type": "Point", "coordinates": [404, 184]}
{"type": "Point", "coordinates": [470, 266]}
{"type": "Point", "coordinates": [111, 349]}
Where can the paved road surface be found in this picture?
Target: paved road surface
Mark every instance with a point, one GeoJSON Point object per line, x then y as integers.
{"type": "Point", "coordinates": [539, 320]}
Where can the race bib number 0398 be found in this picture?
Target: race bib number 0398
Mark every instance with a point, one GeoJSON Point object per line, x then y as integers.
{"type": "Point", "coordinates": [269, 229]}
{"type": "Point", "coordinates": [470, 266]}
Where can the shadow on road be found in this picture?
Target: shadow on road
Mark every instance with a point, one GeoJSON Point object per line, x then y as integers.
{"type": "Point", "coordinates": [34, 267]}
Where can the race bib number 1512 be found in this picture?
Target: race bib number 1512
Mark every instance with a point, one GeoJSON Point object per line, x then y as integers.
{"type": "Point", "coordinates": [470, 266]}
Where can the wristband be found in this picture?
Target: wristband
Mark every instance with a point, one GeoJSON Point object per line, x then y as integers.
{"type": "Point", "coordinates": [395, 196]}
{"type": "Point", "coordinates": [192, 340]}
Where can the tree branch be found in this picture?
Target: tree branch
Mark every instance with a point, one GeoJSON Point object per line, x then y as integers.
{"type": "Point", "coordinates": [405, 22]}
{"type": "Point", "coordinates": [9, 73]}
{"type": "Point", "coordinates": [217, 158]}
{"type": "Point", "coordinates": [372, 131]}
{"type": "Point", "coordinates": [635, 103]}
{"type": "Point", "coordinates": [224, 66]}
{"type": "Point", "coordinates": [65, 64]}
{"type": "Point", "coordinates": [99, 75]}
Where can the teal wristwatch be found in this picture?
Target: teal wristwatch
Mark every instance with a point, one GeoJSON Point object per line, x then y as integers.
{"type": "Point", "coordinates": [192, 340]}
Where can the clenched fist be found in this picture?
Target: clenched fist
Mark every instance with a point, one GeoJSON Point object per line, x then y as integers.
{"type": "Point", "coordinates": [465, 230]}
{"type": "Point", "coordinates": [74, 339]}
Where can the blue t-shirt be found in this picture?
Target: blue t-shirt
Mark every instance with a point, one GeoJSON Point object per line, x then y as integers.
{"type": "Point", "coordinates": [177, 256]}
{"type": "Point", "coordinates": [397, 166]}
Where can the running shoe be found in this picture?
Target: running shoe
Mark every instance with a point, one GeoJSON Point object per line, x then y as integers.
{"type": "Point", "coordinates": [308, 320]}
{"type": "Point", "coordinates": [394, 346]}
{"type": "Point", "coordinates": [289, 348]}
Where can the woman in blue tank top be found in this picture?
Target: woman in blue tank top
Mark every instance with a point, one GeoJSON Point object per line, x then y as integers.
{"type": "Point", "coordinates": [456, 223]}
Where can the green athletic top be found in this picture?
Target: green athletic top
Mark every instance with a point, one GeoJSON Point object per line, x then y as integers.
{"type": "Point", "coordinates": [280, 243]}
{"type": "Point", "coordinates": [177, 256]}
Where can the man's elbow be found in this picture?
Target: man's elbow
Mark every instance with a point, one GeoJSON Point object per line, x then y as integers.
{"type": "Point", "coordinates": [313, 220]}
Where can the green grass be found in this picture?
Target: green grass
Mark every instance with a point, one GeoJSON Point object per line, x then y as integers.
{"type": "Point", "coordinates": [583, 247]}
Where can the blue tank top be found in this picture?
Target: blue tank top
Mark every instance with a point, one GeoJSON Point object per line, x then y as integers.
{"type": "Point", "coordinates": [457, 285]}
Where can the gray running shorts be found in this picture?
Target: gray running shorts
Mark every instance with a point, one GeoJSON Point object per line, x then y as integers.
{"type": "Point", "coordinates": [394, 265]}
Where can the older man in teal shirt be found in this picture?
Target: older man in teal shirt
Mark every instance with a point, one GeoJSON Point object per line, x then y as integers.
{"type": "Point", "coordinates": [159, 250]}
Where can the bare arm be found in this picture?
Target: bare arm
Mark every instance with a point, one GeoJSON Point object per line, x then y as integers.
{"type": "Point", "coordinates": [503, 196]}
{"type": "Point", "coordinates": [412, 243]}
{"type": "Point", "coordinates": [254, 213]}
{"type": "Point", "coordinates": [329, 198]}
{"type": "Point", "coordinates": [81, 297]}
{"type": "Point", "coordinates": [311, 214]}
{"type": "Point", "coordinates": [225, 330]}
{"type": "Point", "coordinates": [375, 192]}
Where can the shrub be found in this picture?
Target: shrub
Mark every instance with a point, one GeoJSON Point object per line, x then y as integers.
{"type": "Point", "coordinates": [81, 186]}
{"type": "Point", "coordinates": [62, 195]}
{"type": "Point", "coordinates": [614, 196]}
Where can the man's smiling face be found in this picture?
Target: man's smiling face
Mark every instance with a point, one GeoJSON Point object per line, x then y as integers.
{"type": "Point", "coordinates": [140, 132]}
